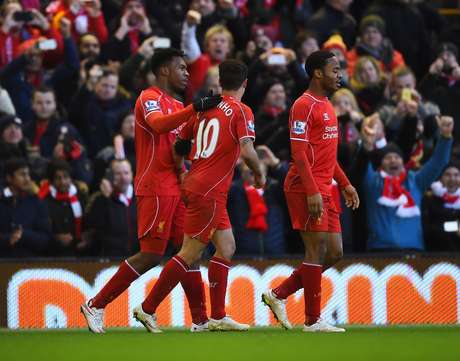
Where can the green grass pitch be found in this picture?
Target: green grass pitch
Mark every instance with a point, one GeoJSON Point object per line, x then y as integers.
{"type": "Point", "coordinates": [373, 343]}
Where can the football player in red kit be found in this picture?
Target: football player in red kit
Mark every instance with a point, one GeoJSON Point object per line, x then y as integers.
{"type": "Point", "coordinates": [160, 210]}
{"type": "Point", "coordinates": [314, 139]}
{"type": "Point", "coordinates": [219, 136]}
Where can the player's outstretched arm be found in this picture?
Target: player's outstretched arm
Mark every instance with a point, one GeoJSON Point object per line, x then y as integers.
{"type": "Point", "coordinates": [250, 157]}
{"type": "Point", "coordinates": [164, 123]}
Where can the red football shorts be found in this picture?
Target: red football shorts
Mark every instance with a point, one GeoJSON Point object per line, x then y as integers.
{"type": "Point", "coordinates": [204, 215]}
{"type": "Point", "coordinates": [160, 219]}
{"type": "Point", "coordinates": [301, 219]}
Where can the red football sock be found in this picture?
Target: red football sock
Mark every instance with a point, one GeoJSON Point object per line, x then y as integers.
{"type": "Point", "coordinates": [311, 280]}
{"type": "Point", "coordinates": [290, 285]}
{"type": "Point", "coordinates": [217, 276]}
{"type": "Point", "coordinates": [194, 290]}
{"type": "Point", "coordinates": [120, 281]}
{"type": "Point", "coordinates": [173, 272]}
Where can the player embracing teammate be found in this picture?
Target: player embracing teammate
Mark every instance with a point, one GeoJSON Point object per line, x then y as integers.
{"type": "Point", "coordinates": [220, 136]}
{"type": "Point", "coordinates": [160, 210]}
{"type": "Point", "coordinates": [314, 139]}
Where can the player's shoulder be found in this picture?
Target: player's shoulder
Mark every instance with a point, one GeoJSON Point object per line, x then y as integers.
{"type": "Point", "coordinates": [150, 100]}
{"type": "Point", "coordinates": [152, 92]}
{"type": "Point", "coordinates": [242, 108]}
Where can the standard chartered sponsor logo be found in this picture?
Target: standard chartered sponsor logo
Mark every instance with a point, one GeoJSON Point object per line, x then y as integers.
{"type": "Point", "coordinates": [330, 132]}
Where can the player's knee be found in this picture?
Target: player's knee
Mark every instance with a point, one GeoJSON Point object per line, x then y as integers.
{"type": "Point", "coordinates": [228, 251]}
{"type": "Point", "coordinates": [190, 256]}
{"type": "Point", "coordinates": [335, 256]}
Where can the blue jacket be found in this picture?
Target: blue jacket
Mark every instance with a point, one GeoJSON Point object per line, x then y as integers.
{"type": "Point", "coordinates": [31, 213]}
{"type": "Point", "coordinates": [386, 229]}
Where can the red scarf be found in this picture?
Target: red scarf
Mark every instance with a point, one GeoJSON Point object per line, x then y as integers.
{"type": "Point", "coordinates": [40, 129]}
{"type": "Point", "coordinates": [416, 156]}
{"type": "Point", "coordinates": [125, 198]}
{"type": "Point", "coordinates": [394, 195]}
{"type": "Point", "coordinates": [133, 36]}
{"type": "Point", "coordinates": [451, 200]}
{"type": "Point", "coordinates": [70, 196]}
{"type": "Point", "coordinates": [257, 209]}
{"type": "Point", "coordinates": [273, 111]}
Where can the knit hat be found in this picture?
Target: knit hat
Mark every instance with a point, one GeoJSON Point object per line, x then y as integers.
{"type": "Point", "coordinates": [451, 47]}
{"type": "Point", "coordinates": [335, 42]}
{"type": "Point", "coordinates": [7, 120]}
{"type": "Point", "coordinates": [390, 148]}
{"type": "Point", "coordinates": [266, 86]}
{"type": "Point", "coordinates": [372, 20]}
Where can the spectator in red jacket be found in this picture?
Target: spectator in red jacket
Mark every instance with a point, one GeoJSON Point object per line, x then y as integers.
{"type": "Point", "coordinates": [372, 42]}
{"type": "Point", "coordinates": [13, 32]}
{"type": "Point", "coordinates": [85, 17]}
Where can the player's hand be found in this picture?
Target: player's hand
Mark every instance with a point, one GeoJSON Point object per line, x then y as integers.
{"type": "Point", "coordinates": [351, 197]}
{"type": "Point", "coordinates": [259, 180]}
{"type": "Point", "coordinates": [206, 103]}
{"type": "Point", "coordinates": [315, 205]}
{"type": "Point", "coordinates": [183, 147]}
{"type": "Point", "coordinates": [16, 235]}
{"type": "Point", "coordinates": [446, 125]}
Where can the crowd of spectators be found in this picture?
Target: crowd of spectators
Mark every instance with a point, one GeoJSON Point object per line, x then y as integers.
{"type": "Point", "coordinates": [70, 72]}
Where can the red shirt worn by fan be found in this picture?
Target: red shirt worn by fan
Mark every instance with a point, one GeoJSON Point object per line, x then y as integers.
{"type": "Point", "coordinates": [313, 122]}
{"type": "Point", "coordinates": [216, 148]}
{"type": "Point", "coordinates": [155, 167]}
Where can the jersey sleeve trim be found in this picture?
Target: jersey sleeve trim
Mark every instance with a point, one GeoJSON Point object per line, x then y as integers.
{"type": "Point", "coordinates": [248, 136]}
{"type": "Point", "coordinates": [301, 139]}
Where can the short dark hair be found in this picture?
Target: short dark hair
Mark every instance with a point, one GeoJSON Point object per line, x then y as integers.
{"type": "Point", "coordinates": [13, 164]}
{"type": "Point", "coordinates": [317, 60]}
{"type": "Point", "coordinates": [164, 56]}
{"type": "Point", "coordinates": [57, 165]}
{"type": "Point", "coordinates": [232, 74]}
{"type": "Point", "coordinates": [43, 89]}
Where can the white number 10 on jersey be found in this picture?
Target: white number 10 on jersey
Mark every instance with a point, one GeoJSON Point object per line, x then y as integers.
{"type": "Point", "coordinates": [203, 149]}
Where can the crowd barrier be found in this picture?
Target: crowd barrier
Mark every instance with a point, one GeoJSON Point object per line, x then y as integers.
{"type": "Point", "coordinates": [366, 291]}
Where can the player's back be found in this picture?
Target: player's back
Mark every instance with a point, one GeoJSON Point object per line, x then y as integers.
{"type": "Point", "coordinates": [155, 166]}
{"type": "Point", "coordinates": [216, 135]}
{"type": "Point", "coordinates": [312, 120]}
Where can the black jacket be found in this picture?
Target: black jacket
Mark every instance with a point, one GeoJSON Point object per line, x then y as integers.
{"type": "Point", "coordinates": [97, 120]}
{"type": "Point", "coordinates": [63, 221]}
{"type": "Point", "coordinates": [434, 214]}
{"type": "Point", "coordinates": [31, 214]}
{"type": "Point", "coordinates": [111, 227]}
{"type": "Point", "coordinates": [327, 21]}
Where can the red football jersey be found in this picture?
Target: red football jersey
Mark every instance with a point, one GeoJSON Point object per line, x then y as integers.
{"type": "Point", "coordinates": [312, 120]}
{"type": "Point", "coordinates": [155, 167]}
{"type": "Point", "coordinates": [216, 135]}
